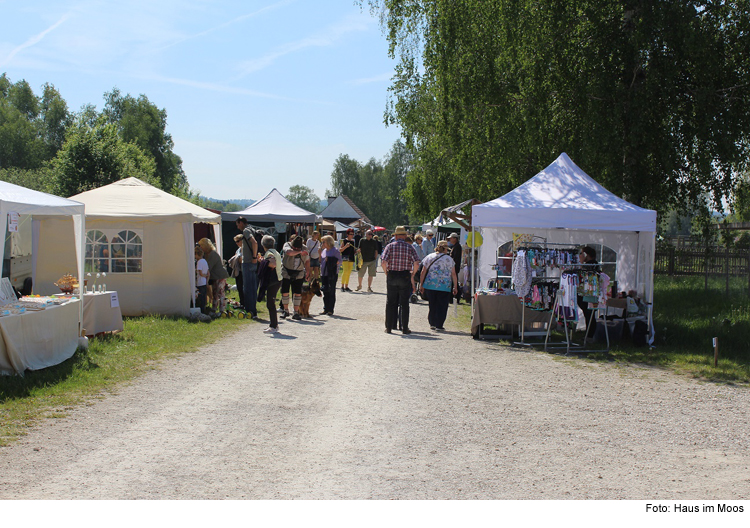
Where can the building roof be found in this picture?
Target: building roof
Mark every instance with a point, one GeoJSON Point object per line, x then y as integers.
{"type": "Point", "coordinates": [343, 208]}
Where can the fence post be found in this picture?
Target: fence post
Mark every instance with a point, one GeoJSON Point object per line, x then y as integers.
{"type": "Point", "coordinates": [670, 267]}
{"type": "Point", "coordinates": [706, 266]}
{"type": "Point", "coordinates": [726, 260]}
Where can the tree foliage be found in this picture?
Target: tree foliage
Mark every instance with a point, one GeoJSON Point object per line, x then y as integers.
{"type": "Point", "coordinates": [32, 129]}
{"type": "Point", "coordinates": [141, 122]}
{"type": "Point", "coordinates": [650, 97]}
{"type": "Point", "coordinates": [377, 187]}
{"type": "Point", "coordinates": [96, 156]}
{"type": "Point", "coordinates": [41, 138]}
{"type": "Point", "coordinates": [304, 197]}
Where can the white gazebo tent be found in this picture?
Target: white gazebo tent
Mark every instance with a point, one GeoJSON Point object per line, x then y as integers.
{"type": "Point", "coordinates": [52, 217]}
{"type": "Point", "coordinates": [273, 208]}
{"type": "Point", "coordinates": [565, 205]}
{"type": "Point", "coordinates": [158, 227]}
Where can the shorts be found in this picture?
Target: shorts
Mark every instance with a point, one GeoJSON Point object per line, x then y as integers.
{"type": "Point", "coordinates": [370, 267]}
{"type": "Point", "coordinates": [314, 262]}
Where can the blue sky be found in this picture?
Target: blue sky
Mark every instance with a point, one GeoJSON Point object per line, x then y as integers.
{"type": "Point", "coordinates": [259, 94]}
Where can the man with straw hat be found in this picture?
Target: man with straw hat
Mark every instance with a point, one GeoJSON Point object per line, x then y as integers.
{"type": "Point", "coordinates": [399, 263]}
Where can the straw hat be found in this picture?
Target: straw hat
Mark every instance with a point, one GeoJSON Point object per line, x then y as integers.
{"type": "Point", "coordinates": [400, 230]}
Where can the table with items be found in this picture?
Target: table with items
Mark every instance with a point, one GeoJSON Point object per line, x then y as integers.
{"type": "Point", "coordinates": [38, 332]}
{"type": "Point", "coordinates": [496, 307]}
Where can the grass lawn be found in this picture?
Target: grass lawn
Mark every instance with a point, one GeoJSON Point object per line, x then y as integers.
{"type": "Point", "coordinates": [686, 319]}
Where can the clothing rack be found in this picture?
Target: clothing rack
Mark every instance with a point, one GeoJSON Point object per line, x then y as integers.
{"type": "Point", "coordinates": [544, 246]}
{"type": "Point", "coordinates": [595, 313]}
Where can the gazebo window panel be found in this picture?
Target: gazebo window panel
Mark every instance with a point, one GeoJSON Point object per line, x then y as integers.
{"type": "Point", "coordinates": [97, 252]}
{"type": "Point", "coordinates": [114, 251]}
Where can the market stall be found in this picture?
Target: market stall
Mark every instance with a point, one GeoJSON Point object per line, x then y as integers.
{"type": "Point", "coordinates": [564, 207]}
{"type": "Point", "coordinates": [273, 209]}
{"type": "Point", "coordinates": [44, 334]}
{"type": "Point", "coordinates": [142, 238]}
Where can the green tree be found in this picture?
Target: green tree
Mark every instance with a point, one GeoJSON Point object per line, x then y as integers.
{"type": "Point", "coordinates": [304, 197]}
{"type": "Point", "coordinates": [141, 122]}
{"type": "Point", "coordinates": [650, 97]}
{"type": "Point", "coordinates": [96, 156]}
{"type": "Point", "coordinates": [32, 129]}
{"type": "Point", "coordinates": [345, 177]}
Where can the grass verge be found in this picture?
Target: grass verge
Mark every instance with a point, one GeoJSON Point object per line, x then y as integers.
{"type": "Point", "coordinates": [108, 362]}
{"type": "Point", "coordinates": [686, 319]}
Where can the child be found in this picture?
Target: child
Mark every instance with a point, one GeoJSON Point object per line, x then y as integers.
{"type": "Point", "coordinates": [201, 279]}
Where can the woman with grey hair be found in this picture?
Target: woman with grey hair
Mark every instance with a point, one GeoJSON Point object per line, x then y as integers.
{"type": "Point", "coordinates": [272, 281]}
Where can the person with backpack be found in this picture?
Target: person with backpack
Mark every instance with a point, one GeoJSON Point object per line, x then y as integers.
{"type": "Point", "coordinates": [439, 284]}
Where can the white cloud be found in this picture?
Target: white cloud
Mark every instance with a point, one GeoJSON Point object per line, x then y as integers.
{"type": "Point", "coordinates": [32, 41]}
{"type": "Point", "coordinates": [236, 20]}
{"type": "Point", "coordinates": [328, 37]}
{"type": "Point", "coordinates": [385, 77]}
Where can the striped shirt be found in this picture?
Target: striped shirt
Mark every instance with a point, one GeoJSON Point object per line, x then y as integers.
{"type": "Point", "coordinates": [400, 256]}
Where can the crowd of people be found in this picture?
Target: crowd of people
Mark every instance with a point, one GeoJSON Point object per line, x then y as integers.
{"type": "Point", "coordinates": [413, 266]}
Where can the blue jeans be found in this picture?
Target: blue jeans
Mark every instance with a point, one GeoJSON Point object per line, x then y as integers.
{"type": "Point", "coordinates": [250, 285]}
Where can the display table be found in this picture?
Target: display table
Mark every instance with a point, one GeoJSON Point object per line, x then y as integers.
{"type": "Point", "coordinates": [99, 315]}
{"type": "Point", "coordinates": [503, 309]}
{"type": "Point", "coordinates": [36, 340]}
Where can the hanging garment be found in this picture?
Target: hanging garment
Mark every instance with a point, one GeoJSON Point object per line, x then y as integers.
{"type": "Point", "coordinates": [521, 274]}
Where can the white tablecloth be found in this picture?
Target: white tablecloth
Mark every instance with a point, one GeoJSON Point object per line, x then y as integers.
{"type": "Point", "coordinates": [36, 340]}
{"type": "Point", "coordinates": [99, 315]}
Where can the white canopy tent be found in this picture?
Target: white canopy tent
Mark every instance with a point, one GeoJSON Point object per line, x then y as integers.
{"type": "Point", "coordinates": [51, 217]}
{"type": "Point", "coordinates": [565, 205]}
{"type": "Point", "coordinates": [154, 230]}
{"type": "Point", "coordinates": [273, 208]}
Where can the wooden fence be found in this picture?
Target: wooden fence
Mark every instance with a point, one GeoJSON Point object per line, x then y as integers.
{"type": "Point", "coordinates": [711, 261]}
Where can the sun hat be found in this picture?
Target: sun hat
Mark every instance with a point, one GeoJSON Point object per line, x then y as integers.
{"type": "Point", "coordinates": [400, 230]}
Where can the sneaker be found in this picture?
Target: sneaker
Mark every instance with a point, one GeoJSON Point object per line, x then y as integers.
{"type": "Point", "coordinates": [323, 313]}
{"type": "Point", "coordinates": [343, 288]}
{"type": "Point", "coordinates": [433, 327]}
{"type": "Point", "coordinates": [297, 317]}
{"type": "Point", "coordinates": [284, 314]}
{"type": "Point", "coordinates": [254, 317]}
{"type": "Point", "coordinates": [440, 329]}
{"type": "Point", "coordinates": [348, 289]}
{"type": "Point", "coordinates": [369, 289]}
{"type": "Point", "coordinates": [359, 288]}
{"type": "Point", "coordinates": [271, 330]}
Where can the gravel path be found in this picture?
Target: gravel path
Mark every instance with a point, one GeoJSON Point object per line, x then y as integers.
{"type": "Point", "coordinates": [336, 409]}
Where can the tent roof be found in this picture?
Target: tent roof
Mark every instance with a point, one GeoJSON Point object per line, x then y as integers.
{"type": "Point", "coordinates": [342, 228]}
{"type": "Point", "coordinates": [131, 197]}
{"type": "Point", "coordinates": [273, 208]}
{"type": "Point", "coordinates": [563, 196]}
{"type": "Point", "coordinates": [21, 200]}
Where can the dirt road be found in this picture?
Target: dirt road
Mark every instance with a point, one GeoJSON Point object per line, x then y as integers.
{"type": "Point", "coordinates": [335, 408]}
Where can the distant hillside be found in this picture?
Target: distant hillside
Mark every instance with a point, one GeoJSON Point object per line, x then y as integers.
{"type": "Point", "coordinates": [226, 205]}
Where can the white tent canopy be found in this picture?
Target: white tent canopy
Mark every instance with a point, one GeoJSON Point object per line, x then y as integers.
{"type": "Point", "coordinates": [273, 208]}
{"type": "Point", "coordinates": [51, 213]}
{"type": "Point", "coordinates": [162, 279]}
{"type": "Point", "coordinates": [565, 205]}
{"type": "Point", "coordinates": [51, 217]}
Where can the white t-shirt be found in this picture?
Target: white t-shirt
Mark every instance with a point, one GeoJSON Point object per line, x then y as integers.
{"type": "Point", "coordinates": [201, 267]}
{"type": "Point", "coordinates": [313, 247]}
